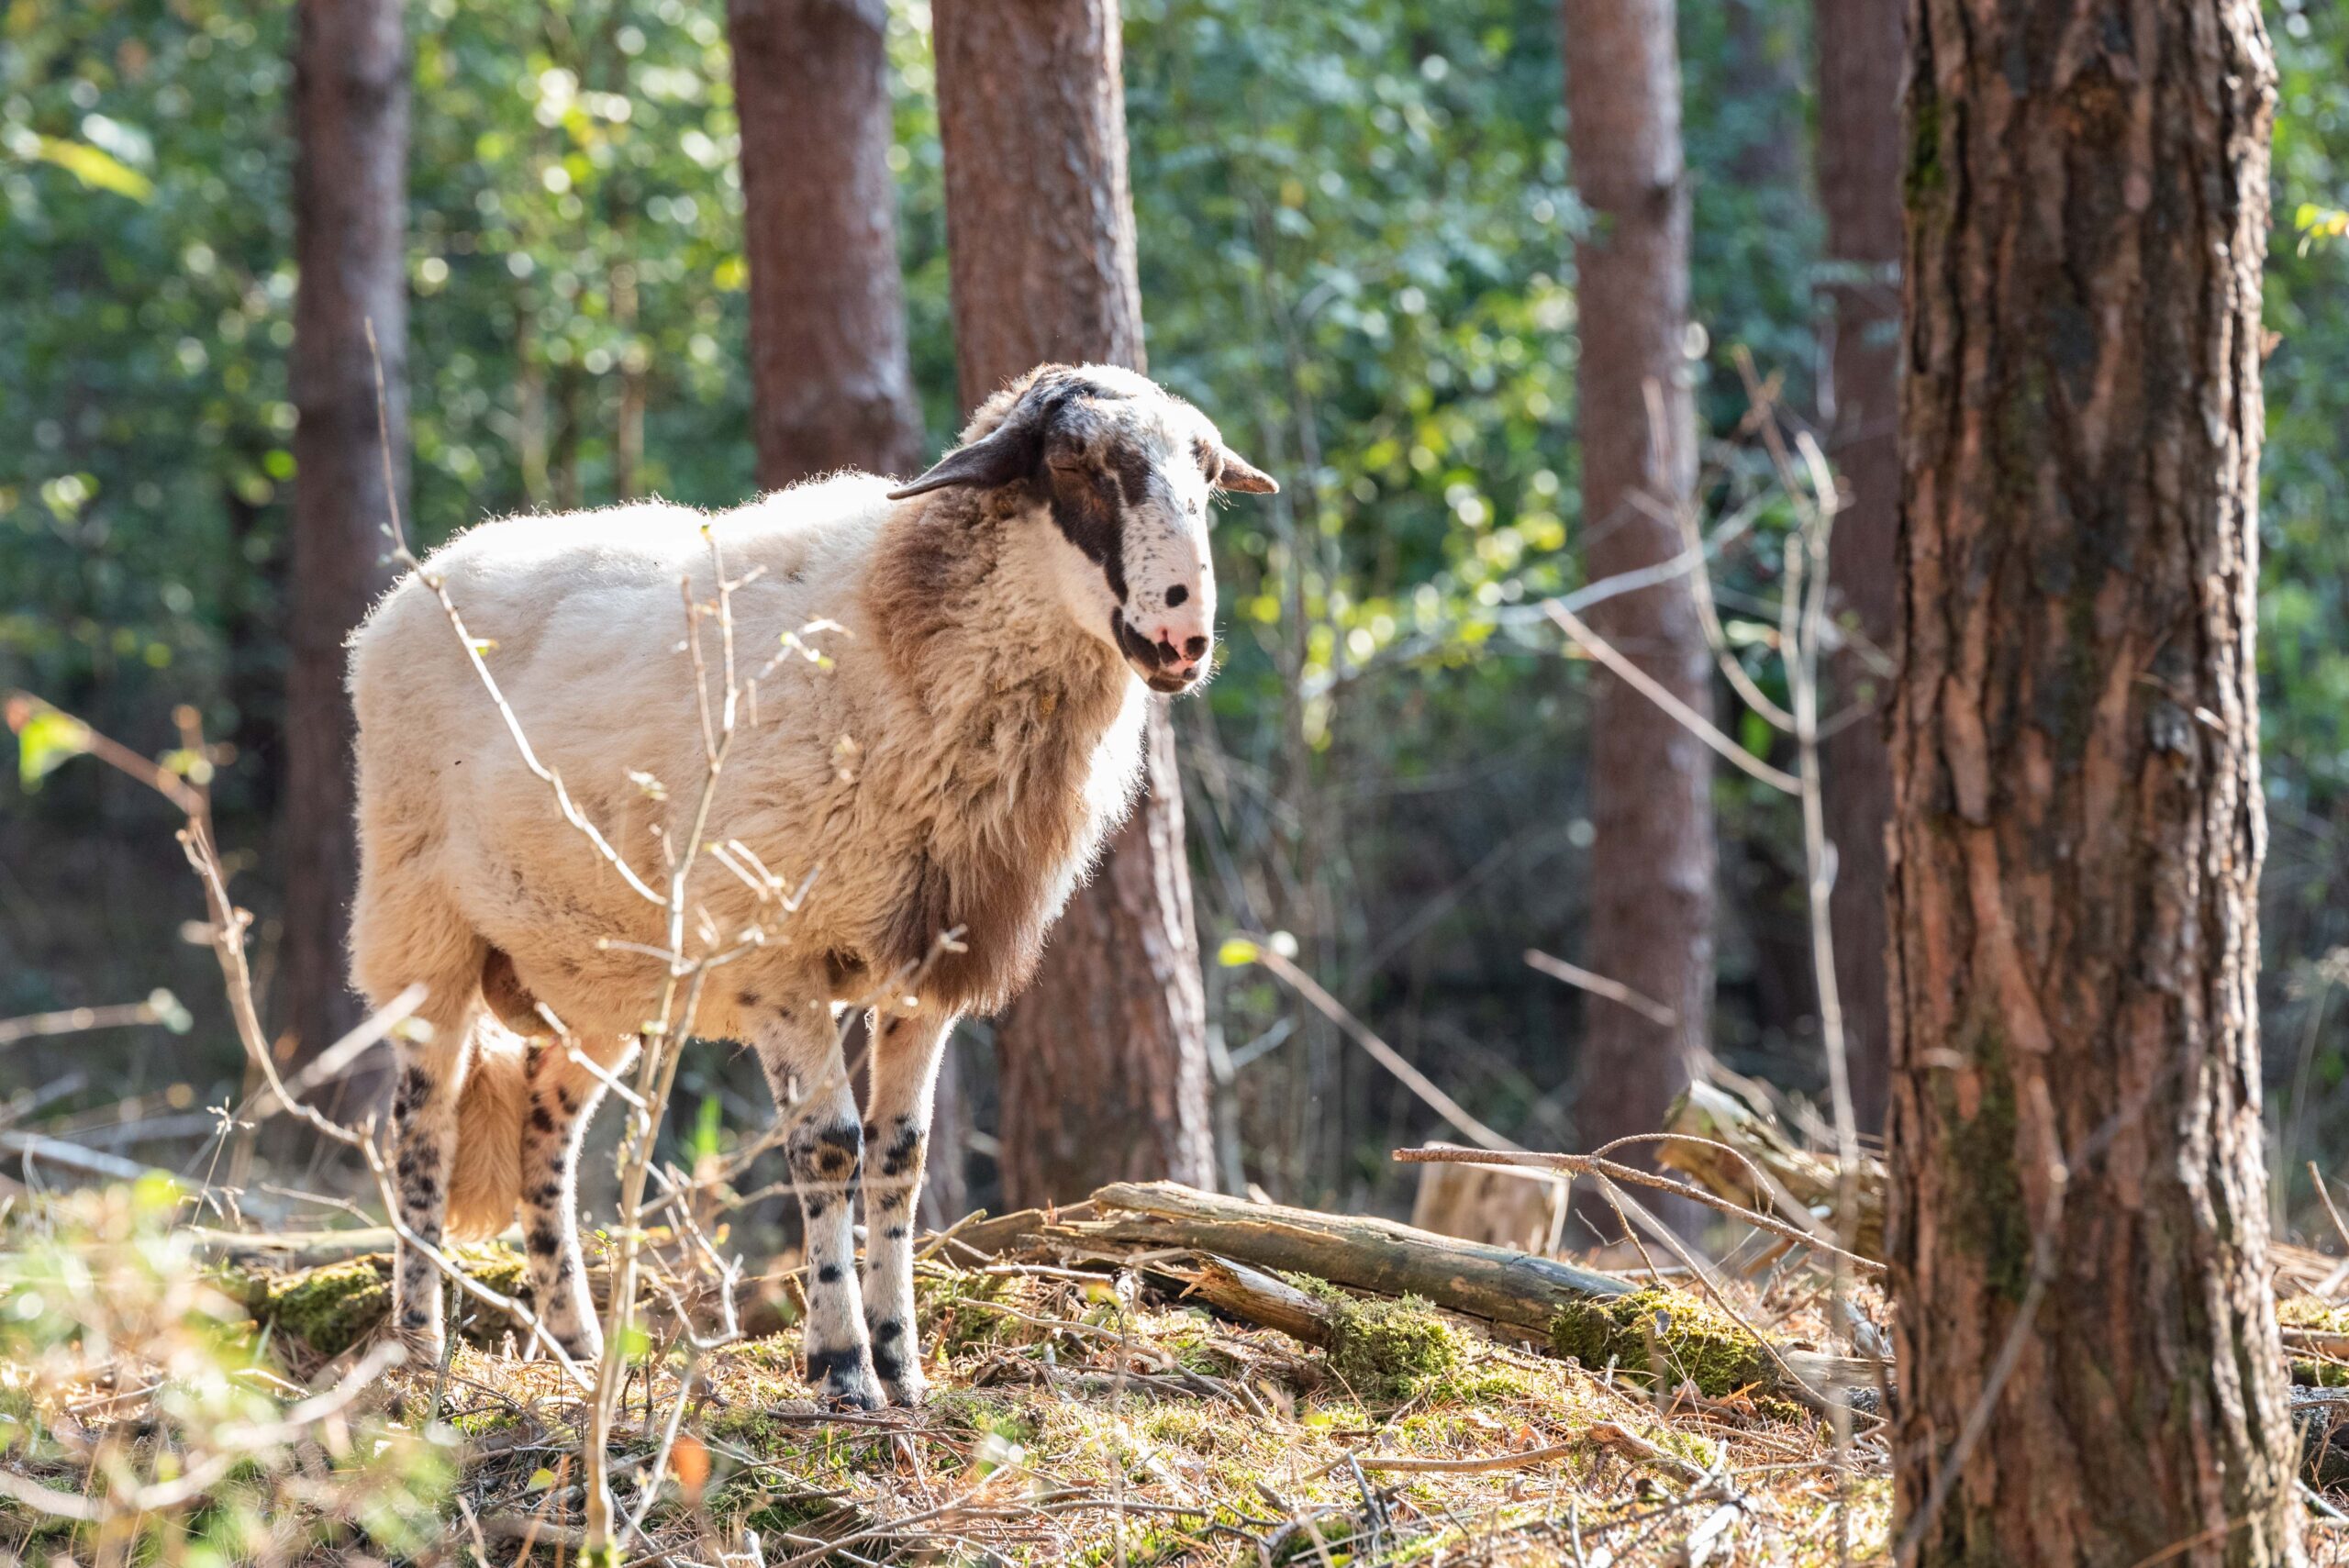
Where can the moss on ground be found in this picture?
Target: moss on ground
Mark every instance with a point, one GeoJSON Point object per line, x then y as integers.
{"type": "Point", "coordinates": [1664, 1331]}
{"type": "Point", "coordinates": [1384, 1352]}
{"type": "Point", "coordinates": [334, 1305]}
{"type": "Point", "coordinates": [2308, 1312]}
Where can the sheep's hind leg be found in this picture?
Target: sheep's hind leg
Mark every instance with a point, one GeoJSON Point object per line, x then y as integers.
{"type": "Point", "coordinates": [801, 1054]}
{"type": "Point", "coordinates": [906, 1049]}
{"type": "Point", "coordinates": [424, 1138]}
{"type": "Point", "coordinates": [563, 1095]}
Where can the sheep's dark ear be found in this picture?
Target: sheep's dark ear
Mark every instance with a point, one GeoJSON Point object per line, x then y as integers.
{"type": "Point", "coordinates": [1238, 473]}
{"type": "Point", "coordinates": [1003, 454]}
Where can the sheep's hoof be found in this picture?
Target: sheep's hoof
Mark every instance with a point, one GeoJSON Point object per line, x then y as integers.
{"type": "Point", "coordinates": [425, 1340]}
{"type": "Point", "coordinates": [910, 1388]}
{"type": "Point", "coordinates": [844, 1380]}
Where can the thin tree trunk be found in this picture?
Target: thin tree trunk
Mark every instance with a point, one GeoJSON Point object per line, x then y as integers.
{"type": "Point", "coordinates": [1860, 49]}
{"type": "Point", "coordinates": [1652, 861]}
{"type": "Point", "coordinates": [832, 385]}
{"type": "Point", "coordinates": [2075, 1122]}
{"type": "Point", "coordinates": [628, 428]}
{"type": "Point", "coordinates": [1104, 1061]}
{"type": "Point", "coordinates": [349, 223]}
{"type": "Point", "coordinates": [568, 421]}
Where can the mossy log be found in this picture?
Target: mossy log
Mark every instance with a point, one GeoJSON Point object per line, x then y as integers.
{"type": "Point", "coordinates": [1520, 1296]}
{"type": "Point", "coordinates": [1726, 1112]}
{"type": "Point", "coordinates": [335, 1305]}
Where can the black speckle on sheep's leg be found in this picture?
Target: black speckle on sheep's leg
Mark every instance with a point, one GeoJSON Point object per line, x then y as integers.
{"type": "Point", "coordinates": [424, 1134]}
{"type": "Point", "coordinates": [551, 1133]}
{"type": "Point", "coordinates": [905, 1065]}
{"type": "Point", "coordinates": [843, 1378]}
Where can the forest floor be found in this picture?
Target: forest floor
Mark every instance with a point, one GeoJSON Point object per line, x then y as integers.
{"type": "Point", "coordinates": [1076, 1416]}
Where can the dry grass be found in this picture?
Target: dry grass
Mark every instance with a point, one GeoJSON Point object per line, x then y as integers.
{"type": "Point", "coordinates": [1076, 1418]}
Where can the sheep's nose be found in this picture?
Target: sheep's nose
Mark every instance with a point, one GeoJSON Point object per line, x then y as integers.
{"type": "Point", "coordinates": [1189, 651]}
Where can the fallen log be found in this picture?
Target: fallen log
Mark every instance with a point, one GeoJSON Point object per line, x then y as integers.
{"type": "Point", "coordinates": [1601, 1318]}
{"type": "Point", "coordinates": [1492, 1284]}
{"type": "Point", "coordinates": [1257, 1297]}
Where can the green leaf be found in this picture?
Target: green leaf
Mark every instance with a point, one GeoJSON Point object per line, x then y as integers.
{"type": "Point", "coordinates": [45, 741]}
{"type": "Point", "coordinates": [99, 170]}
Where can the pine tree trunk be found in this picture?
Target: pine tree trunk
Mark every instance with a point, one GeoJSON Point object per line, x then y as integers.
{"type": "Point", "coordinates": [1651, 863]}
{"type": "Point", "coordinates": [831, 386]}
{"type": "Point", "coordinates": [1103, 1061]}
{"type": "Point", "coordinates": [2074, 1126]}
{"type": "Point", "coordinates": [349, 223]}
{"type": "Point", "coordinates": [1861, 47]}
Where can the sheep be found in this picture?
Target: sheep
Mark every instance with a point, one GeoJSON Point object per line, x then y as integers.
{"type": "Point", "coordinates": [1002, 620]}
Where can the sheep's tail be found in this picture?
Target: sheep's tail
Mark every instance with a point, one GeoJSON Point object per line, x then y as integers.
{"type": "Point", "coordinates": [486, 1177]}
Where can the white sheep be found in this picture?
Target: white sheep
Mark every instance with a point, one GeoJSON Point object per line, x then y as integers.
{"type": "Point", "coordinates": [957, 766]}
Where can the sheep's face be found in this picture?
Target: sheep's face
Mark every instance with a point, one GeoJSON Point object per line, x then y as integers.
{"type": "Point", "coordinates": [1123, 472]}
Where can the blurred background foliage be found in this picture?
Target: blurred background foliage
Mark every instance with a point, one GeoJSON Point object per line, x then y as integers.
{"type": "Point", "coordinates": [1354, 222]}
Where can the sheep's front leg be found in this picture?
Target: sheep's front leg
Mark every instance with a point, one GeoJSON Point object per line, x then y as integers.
{"type": "Point", "coordinates": [563, 1095]}
{"type": "Point", "coordinates": [424, 1138]}
{"type": "Point", "coordinates": [906, 1049]}
{"type": "Point", "coordinates": [800, 1051]}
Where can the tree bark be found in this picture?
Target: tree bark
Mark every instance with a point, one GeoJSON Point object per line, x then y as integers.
{"type": "Point", "coordinates": [2076, 828]}
{"type": "Point", "coordinates": [1861, 46]}
{"type": "Point", "coordinates": [350, 222]}
{"type": "Point", "coordinates": [1103, 1061]}
{"type": "Point", "coordinates": [831, 387]}
{"type": "Point", "coordinates": [1652, 861]}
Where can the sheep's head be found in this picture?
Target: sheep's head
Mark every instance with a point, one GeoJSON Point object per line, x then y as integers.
{"type": "Point", "coordinates": [1124, 470]}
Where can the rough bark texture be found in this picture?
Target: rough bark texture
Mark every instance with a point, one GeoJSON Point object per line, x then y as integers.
{"type": "Point", "coordinates": [2076, 821]}
{"type": "Point", "coordinates": [1040, 225]}
{"type": "Point", "coordinates": [351, 112]}
{"type": "Point", "coordinates": [1103, 1059]}
{"type": "Point", "coordinates": [1861, 46]}
{"type": "Point", "coordinates": [830, 383]}
{"type": "Point", "coordinates": [1652, 865]}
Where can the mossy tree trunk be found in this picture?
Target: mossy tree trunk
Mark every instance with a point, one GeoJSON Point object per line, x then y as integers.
{"type": "Point", "coordinates": [2075, 1116]}
{"type": "Point", "coordinates": [1103, 1059]}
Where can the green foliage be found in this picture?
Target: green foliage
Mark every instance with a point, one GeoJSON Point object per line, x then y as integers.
{"type": "Point", "coordinates": [100, 1290]}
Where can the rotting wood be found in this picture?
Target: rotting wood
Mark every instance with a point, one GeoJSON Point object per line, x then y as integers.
{"type": "Point", "coordinates": [1717, 1112]}
{"type": "Point", "coordinates": [1492, 1284]}
{"type": "Point", "coordinates": [1258, 1298]}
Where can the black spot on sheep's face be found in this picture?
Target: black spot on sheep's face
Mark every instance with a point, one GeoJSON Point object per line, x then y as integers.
{"type": "Point", "coordinates": [1123, 472]}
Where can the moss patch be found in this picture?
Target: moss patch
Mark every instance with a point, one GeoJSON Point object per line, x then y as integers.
{"type": "Point", "coordinates": [1659, 1330]}
{"type": "Point", "coordinates": [2307, 1312]}
{"type": "Point", "coordinates": [334, 1305]}
{"type": "Point", "coordinates": [1384, 1350]}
